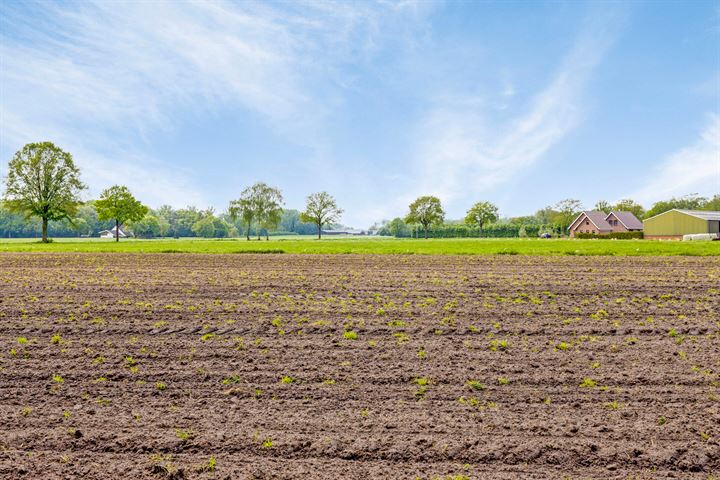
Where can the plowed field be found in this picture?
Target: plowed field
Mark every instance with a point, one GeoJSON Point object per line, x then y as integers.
{"type": "Point", "coordinates": [345, 366]}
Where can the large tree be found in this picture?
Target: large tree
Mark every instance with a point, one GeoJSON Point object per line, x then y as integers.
{"type": "Point", "coordinates": [603, 206]}
{"type": "Point", "coordinates": [398, 228]}
{"type": "Point", "coordinates": [321, 209]}
{"type": "Point", "coordinates": [567, 210]}
{"type": "Point", "coordinates": [205, 227]}
{"type": "Point", "coordinates": [147, 227]}
{"type": "Point", "coordinates": [259, 203]}
{"type": "Point", "coordinates": [43, 181]}
{"type": "Point", "coordinates": [628, 205]}
{"type": "Point", "coordinates": [426, 211]}
{"type": "Point", "coordinates": [713, 204]}
{"type": "Point", "coordinates": [268, 201]}
{"type": "Point", "coordinates": [481, 214]}
{"type": "Point", "coordinates": [118, 204]}
{"type": "Point", "coordinates": [244, 208]}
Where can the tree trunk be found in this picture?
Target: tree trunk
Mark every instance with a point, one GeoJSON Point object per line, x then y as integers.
{"type": "Point", "coordinates": [319, 231]}
{"type": "Point", "coordinates": [44, 229]}
{"type": "Point", "coordinates": [247, 232]}
{"type": "Point", "coordinates": [117, 230]}
{"type": "Point", "coordinates": [426, 227]}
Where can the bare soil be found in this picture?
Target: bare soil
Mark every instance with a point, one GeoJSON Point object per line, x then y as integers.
{"type": "Point", "coordinates": [358, 367]}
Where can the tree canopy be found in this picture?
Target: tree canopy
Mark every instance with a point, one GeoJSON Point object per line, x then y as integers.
{"type": "Point", "coordinates": [628, 205]}
{"type": "Point", "coordinates": [258, 203]}
{"type": "Point", "coordinates": [481, 214]}
{"type": "Point", "coordinates": [603, 206]}
{"type": "Point", "coordinates": [118, 204]}
{"type": "Point", "coordinates": [426, 211]}
{"type": "Point", "coordinates": [687, 202]}
{"type": "Point", "coordinates": [567, 210]}
{"type": "Point", "coordinates": [244, 209]}
{"type": "Point", "coordinates": [269, 201]}
{"type": "Point", "coordinates": [321, 209]}
{"type": "Point", "coordinates": [624, 205]}
{"type": "Point", "coordinates": [147, 227]}
{"type": "Point", "coordinates": [43, 181]}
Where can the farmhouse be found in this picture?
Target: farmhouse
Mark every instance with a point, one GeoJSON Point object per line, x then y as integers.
{"type": "Point", "coordinates": [675, 223]}
{"type": "Point", "coordinates": [111, 233]}
{"type": "Point", "coordinates": [599, 223]}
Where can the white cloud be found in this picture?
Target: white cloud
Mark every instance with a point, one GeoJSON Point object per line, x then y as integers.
{"type": "Point", "coordinates": [460, 147]}
{"type": "Point", "coordinates": [155, 182]}
{"type": "Point", "coordinates": [693, 169]}
{"type": "Point", "coordinates": [101, 78]}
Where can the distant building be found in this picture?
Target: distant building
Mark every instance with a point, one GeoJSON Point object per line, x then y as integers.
{"type": "Point", "coordinates": [349, 231]}
{"type": "Point", "coordinates": [599, 223]}
{"type": "Point", "coordinates": [111, 233]}
{"type": "Point", "coordinates": [675, 223]}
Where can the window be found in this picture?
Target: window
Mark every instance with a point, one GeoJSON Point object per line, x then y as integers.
{"type": "Point", "coordinates": [587, 222]}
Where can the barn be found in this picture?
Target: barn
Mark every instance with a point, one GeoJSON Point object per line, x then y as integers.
{"type": "Point", "coordinates": [675, 223]}
{"type": "Point", "coordinates": [111, 233]}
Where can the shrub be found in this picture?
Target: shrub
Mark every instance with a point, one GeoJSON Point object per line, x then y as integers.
{"type": "Point", "coordinates": [611, 236]}
{"type": "Point", "coordinates": [475, 385]}
{"type": "Point", "coordinates": [588, 383]}
{"type": "Point", "coordinates": [183, 435]}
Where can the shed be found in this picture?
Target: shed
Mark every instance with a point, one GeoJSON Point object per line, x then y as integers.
{"type": "Point", "coordinates": [675, 223]}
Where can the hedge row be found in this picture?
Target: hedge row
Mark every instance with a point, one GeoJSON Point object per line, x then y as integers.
{"type": "Point", "coordinates": [610, 236]}
{"type": "Point", "coordinates": [490, 231]}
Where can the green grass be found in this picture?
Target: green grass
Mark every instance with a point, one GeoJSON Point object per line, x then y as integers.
{"type": "Point", "coordinates": [372, 245]}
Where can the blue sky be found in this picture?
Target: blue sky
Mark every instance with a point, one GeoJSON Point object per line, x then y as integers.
{"type": "Point", "coordinates": [519, 103]}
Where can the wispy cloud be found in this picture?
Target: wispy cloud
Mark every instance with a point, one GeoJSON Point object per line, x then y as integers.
{"type": "Point", "coordinates": [135, 66]}
{"type": "Point", "coordinates": [693, 169]}
{"type": "Point", "coordinates": [102, 79]}
{"type": "Point", "coordinates": [461, 146]}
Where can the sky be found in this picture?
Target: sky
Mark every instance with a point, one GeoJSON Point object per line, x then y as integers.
{"type": "Point", "coordinates": [519, 103]}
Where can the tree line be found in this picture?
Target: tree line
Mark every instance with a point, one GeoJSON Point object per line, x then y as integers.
{"type": "Point", "coordinates": [43, 187]}
{"type": "Point", "coordinates": [426, 217]}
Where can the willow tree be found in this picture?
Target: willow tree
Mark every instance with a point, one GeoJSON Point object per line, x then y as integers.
{"type": "Point", "coordinates": [269, 201]}
{"type": "Point", "coordinates": [243, 208]}
{"type": "Point", "coordinates": [259, 203]}
{"type": "Point", "coordinates": [43, 181]}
